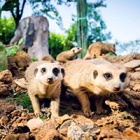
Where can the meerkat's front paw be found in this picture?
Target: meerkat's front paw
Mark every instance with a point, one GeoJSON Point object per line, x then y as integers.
{"type": "Point", "coordinates": [88, 113]}
{"type": "Point", "coordinates": [38, 114]}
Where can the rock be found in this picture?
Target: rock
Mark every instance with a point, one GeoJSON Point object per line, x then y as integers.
{"type": "Point", "coordinates": [64, 127]}
{"type": "Point", "coordinates": [132, 64]}
{"type": "Point", "coordinates": [34, 124]}
{"type": "Point", "coordinates": [128, 132]}
{"type": "Point", "coordinates": [22, 60]}
{"type": "Point", "coordinates": [107, 133]}
{"type": "Point", "coordinates": [4, 89]}
{"type": "Point", "coordinates": [4, 120]}
{"type": "Point", "coordinates": [113, 105]}
{"type": "Point", "coordinates": [135, 76]}
{"type": "Point", "coordinates": [6, 76]}
{"type": "Point", "coordinates": [9, 108]}
{"type": "Point", "coordinates": [133, 98]}
{"type": "Point", "coordinates": [74, 132]}
{"type": "Point", "coordinates": [136, 87]}
{"type": "Point", "coordinates": [17, 137]}
{"type": "Point", "coordinates": [21, 82]}
{"type": "Point", "coordinates": [137, 69]}
{"type": "Point", "coordinates": [48, 134]}
{"type": "Point", "coordinates": [61, 119]}
{"type": "Point", "coordinates": [92, 129]}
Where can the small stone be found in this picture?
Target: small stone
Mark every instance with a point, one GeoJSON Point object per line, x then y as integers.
{"type": "Point", "coordinates": [6, 76]}
{"type": "Point", "coordinates": [132, 64]}
{"type": "Point", "coordinates": [34, 124]}
{"type": "Point", "coordinates": [135, 76]}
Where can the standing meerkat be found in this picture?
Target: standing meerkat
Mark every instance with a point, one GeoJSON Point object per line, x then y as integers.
{"type": "Point", "coordinates": [65, 56]}
{"type": "Point", "coordinates": [98, 49]}
{"type": "Point", "coordinates": [86, 80]}
{"type": "Point", "coordinates": [44, 81]}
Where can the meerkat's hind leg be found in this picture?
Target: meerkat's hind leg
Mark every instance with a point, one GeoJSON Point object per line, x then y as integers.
{"type": "Point", "coordinates": [55, 107]}
{"type": "Point", "coordinates": [84, 100]}
{"type": "Point", "coordinates": [99, 105]}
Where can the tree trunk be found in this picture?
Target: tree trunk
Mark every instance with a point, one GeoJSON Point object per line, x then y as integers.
{"type": "Point", "coordinates": [82, 25]}
{"type": "Point", "coordinates": [35, 32]}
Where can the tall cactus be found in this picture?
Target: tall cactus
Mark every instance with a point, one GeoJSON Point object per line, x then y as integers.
{"type": "Point", "coordinates": [3, 58]}
{"type": "Point", "coordinates": [82, 25]}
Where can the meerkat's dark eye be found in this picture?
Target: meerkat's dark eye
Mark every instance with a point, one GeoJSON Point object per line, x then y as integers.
{"type": "Point", "coordinates": [108, 76]}
{"type": "Point", "coordinates": [43, 70]}
{"type": "Point", "coordinates": [122, 76]}
{"type": "Point", "coordinates": [55, 71]}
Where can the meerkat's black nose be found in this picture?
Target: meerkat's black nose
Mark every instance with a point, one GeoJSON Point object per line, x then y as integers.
{"type": "Point", "coordinates": [117, 88]}
{"type": "Point", "coordinates": [50, 80]}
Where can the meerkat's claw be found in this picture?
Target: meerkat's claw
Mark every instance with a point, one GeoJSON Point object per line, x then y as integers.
{"type": "Point", "coordinates": [88, 114]}
{"type": "Point", "coordinates": [38, 114]}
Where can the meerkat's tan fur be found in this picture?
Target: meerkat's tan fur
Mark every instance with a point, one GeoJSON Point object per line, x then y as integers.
{"type": "Point", "coordinates": [43, 83]}
{"type": "Point", "coordinates": [86, 80]}
{"type": "Point", "coordinates": [98, 49]}
{"type": "Point", "coordinates": [65, 56]}
{"type": "Point", "coordinates": [48, 58]}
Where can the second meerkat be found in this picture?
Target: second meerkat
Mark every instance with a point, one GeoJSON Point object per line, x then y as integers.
{"type": "Point", "coordinates": [87, 80]}
{"type": "Point", "coordinates": [44, 81]}
{"type": "Point", "coordinates": [65, 56]}
{"type": "Point", "coordinates": [98, 49]}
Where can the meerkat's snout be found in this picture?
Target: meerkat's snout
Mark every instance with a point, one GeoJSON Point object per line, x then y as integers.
{"type": "Point", "coordinates": [117, 88]}
{"type": "Point", "coordinates": [50, 80]}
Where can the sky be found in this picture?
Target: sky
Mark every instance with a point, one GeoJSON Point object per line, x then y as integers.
{"type": "Point", "coordinates": [122, 18]}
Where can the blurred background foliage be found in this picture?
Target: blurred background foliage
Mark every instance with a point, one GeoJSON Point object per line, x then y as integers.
{"type": "Point", "coordinates": [7, 28]}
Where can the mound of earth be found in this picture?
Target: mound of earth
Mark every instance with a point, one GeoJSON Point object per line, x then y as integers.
{"type": "Point", "coordinates": [122, 121]}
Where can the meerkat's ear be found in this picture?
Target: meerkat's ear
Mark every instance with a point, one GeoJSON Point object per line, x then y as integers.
{"type": "Point", "coordinates": [35, 71]}
{"type": "Point", "coordinates": [63, 72]}
{"type": "Point", "coordinates": [95, 74]}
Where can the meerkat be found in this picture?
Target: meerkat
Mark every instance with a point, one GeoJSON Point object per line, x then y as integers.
{"type": "Point", "coordinates": [48, 58]}
{"type": "Point", "coordinates": [65, 56]}
{"type": "Point", "coordinates": [86, 80]}
{"type": "Point", "coordinates": [44, 81]}
{"type": "Point", "coordinates": [98, 49]}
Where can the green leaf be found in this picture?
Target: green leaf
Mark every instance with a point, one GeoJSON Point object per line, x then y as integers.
{"type": "Point", "coordinates": [20, 41]}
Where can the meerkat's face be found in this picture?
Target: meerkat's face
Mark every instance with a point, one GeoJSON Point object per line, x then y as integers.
{"type": "Point", "coordinates": [111, 48]}
{"type": "Point", "coordinates": [110, 78]}
{"type": "Point", "coordinates": [76, 50]}
{"type": "Point", "coordinates": [49, 73]}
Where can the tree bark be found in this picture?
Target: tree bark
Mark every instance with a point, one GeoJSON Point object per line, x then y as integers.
{"type": "Point", "coordinates": [35, 32]}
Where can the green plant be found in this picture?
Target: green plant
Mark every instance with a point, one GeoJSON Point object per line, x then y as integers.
{"type": "Point", "coordinates": [34, 59]}
{"type": "Point", "coordinates": [3, 57]}
{"type": "Point", "coordinates": [12, 50]}
{"type": "Point", "coordinates": [7, 28]}
{"type": "Point", "coordinates": [110, 54]}
{"type": "Point", "coordinates": [21, 99]}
